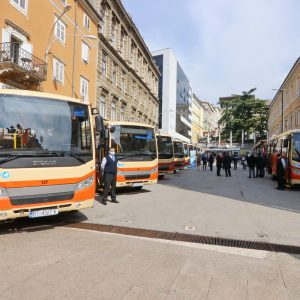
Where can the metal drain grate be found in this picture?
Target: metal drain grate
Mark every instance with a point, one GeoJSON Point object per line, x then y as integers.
{"type": "Point", "coordinates": [183, 237]}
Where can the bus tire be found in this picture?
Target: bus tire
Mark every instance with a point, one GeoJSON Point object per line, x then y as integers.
{"type": "Point", "coordinates": [137, 188]}
{"type": "Point", "coordinates": [161, 176]}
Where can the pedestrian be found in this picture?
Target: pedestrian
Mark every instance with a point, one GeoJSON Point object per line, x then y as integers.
{"type": "Point", "coordinates": [109, 169]}
{"type": "Point", "coordinates": [235, 161]}
{"type": "Point", "coordinates": [211, 160]}
{"type": "Point", "coordinates": [281, 168]}
{"type": "Point", "coordinates": [219, 163]}
{"type": "Point", "coordinates": [227, 164]}
{"type": "Point", "coordinates": [251, 165]}
{"type": "Point", "coordinates": [244, 163]}
{"type": "Point", "coordinates": [204, 161]}
{"type": "Point", "coordinates": [199, 160]}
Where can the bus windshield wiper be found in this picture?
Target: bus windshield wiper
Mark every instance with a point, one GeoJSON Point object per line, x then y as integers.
{"type": "Point", "coordinates": [68, 153]}
{"type": "Point", "coordinates": [11, 156]}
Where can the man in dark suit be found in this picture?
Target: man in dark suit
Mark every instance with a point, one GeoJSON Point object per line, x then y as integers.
{"type": "Point", "coordinates": [281, 169]}
{"type": "Point", "coordinates": [109, 167]}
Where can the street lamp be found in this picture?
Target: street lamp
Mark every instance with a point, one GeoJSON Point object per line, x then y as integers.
{"type": "Point", "coordinates": [282, 117]}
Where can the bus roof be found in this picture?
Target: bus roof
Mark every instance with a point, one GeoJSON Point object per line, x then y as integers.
{"type": "Point", "coordinates": [284, 134]}
{"type": "Point", "coordinates": [112, 123]}
{"type": "Point", "coordinates": [40, 95]}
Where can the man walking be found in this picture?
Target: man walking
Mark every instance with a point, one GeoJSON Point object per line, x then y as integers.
{"type": "Point", "coordinates": [109, 169]}
{"type": "Point", "coordinates": [281, 167]}
{"type": "Point", "coordinates": [211, 161]}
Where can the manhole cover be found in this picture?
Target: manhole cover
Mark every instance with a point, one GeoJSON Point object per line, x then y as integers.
{"type": "Point", "coordinates": [126, 221]}
{"type": "Point", "coordinates": [190, 228]}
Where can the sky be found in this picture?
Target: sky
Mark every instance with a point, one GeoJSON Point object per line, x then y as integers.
{"type": "Point", "coordinates": [224, 46]}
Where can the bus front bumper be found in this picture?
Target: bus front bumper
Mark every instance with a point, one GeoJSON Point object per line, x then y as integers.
{"type": "Point", "coordinates": [20, 212]}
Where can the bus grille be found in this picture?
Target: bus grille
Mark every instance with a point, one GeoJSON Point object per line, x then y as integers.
{"type": "Point", "coordinates": [137, 176]}
{"type": "Point", "coordinates": [23, 200]}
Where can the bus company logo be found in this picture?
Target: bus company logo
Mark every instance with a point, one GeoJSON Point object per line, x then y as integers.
{"type": "Point", "coordinates": [44, 163]}
{"type": "Point", "coordinates": [4, 175]}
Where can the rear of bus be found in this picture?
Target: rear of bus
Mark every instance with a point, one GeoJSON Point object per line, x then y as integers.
{"type": "Point", "coordinates": [47, 162]}
{"type": "Point", "coordinates": [136, 149]}
{"type": "Point", "coordinates": [165, 155]}
{"type": "Point", "coordinates": [179, 161]}
{"type": "Point", "coordinates": [186, 155]}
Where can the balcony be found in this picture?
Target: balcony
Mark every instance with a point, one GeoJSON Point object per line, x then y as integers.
{"type": "Point", "coordinates": [19, 67]}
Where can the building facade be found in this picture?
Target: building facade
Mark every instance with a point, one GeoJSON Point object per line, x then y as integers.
{"type": "Point", "coordinates": [50, 46]}
{"type": "Point", "coordinates": [175, 97]}
{"type": "Point", "coordinates": [127, 77]}
{"type": "Point", "coordinates": [197, 120]}
{"type": "Point", "coordinates": [284, 113]}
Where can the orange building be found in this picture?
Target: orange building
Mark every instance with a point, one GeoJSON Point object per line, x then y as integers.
{"type": "Point", "coordinates": [50, 46]}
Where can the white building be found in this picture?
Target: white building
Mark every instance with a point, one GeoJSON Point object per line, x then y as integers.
{"type": "Point", "coordinates": [175, 97]}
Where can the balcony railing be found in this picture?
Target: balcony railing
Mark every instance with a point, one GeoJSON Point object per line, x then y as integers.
{"type": "Point", "coordinates": [12, 54]}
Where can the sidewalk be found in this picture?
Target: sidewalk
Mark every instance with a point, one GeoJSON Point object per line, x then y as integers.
{"type": "Point", "coordinates": [65, 263]}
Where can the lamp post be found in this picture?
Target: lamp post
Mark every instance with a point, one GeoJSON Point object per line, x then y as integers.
{"type": "Point", "coordinates": [282, 115]}
{"type": "Point", "coordinates": [91, 37]}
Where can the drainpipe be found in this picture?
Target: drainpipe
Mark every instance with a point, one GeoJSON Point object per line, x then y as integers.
{"type": "Point", "coordinates": [74, 48]}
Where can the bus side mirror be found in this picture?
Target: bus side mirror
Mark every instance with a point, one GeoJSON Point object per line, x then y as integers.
{"type": "Point", "coordinates": [99, 125]}
{"type": "Point", "coordinates": [285, 143]}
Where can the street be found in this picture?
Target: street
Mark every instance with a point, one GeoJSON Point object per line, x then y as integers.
{"type": "Point", "coordinates": [43, 260]}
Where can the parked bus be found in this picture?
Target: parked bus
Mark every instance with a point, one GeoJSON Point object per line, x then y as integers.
{"type": "Point", "coordinates": [179, 161]}
{"type": "Point", "coordinates": [288, 142]}
{"type": "Point", "coordinates": [260, 147]}
{"type": "Point", "coordinates": [165, 155]}
{"type": "Point", "coordinates": [186, 155]}
{"type": "Point", "coordinates": [47, 156]}
{"type": "Point", "coordinates": [136, 149]}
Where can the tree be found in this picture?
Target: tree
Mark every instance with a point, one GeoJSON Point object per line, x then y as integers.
{"type": "Point", "coordinates": [243, 114]}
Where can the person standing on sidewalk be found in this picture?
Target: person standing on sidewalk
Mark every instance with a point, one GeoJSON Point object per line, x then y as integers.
{"type": "Point", "coordinates": [251, 165]}
{"type": "Point", "coordinates": [281, 168]}
{"type": "Point", "coordinates": [235, 161]}
{"type": "Point", "coordinates": [109, 169]}
{"type": "Point", "coordinates": [219, 164]}
{"type": "Point", "coordinates": [211, 160]}
{"type": "Point", "coordinates": [227, 164]}
{"type": "Point", "coordinates": [204, 161]}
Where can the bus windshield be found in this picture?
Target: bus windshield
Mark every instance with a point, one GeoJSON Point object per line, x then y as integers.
{"type": "Point", "coordinates": [39, 127]}
{"type": "Point", "coordinates": [165, 147]}
{"type": "Point", "coordinates": [296, 147]}
{"type": "Point", "coordinates": [178, 150]}
{"type": "Point", "coordinates": [133, 142]}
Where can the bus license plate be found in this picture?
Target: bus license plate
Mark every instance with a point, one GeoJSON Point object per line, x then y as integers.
{"type": "Point", "coordinates": [137, 184]}
{"type": "Point", "coordinates": [43, 213]}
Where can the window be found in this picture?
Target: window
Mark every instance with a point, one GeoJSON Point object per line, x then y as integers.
{"type": "Point", "coordinates": [114, 74]}
{"type": "Point", "coordinates": [291, 122]}
{"type": "Point", "coordinates": [122, 114]}
{"type": "Point", "coordinates": [122, 44]}
{"type": "Point", "coordinates": [84, 89]}
{"type": "Point", "coordinates": [102, 106]}
{"type": "Point", "coordinates": [113, 33]}
{"type": "Point", "coordinates": [58, 70]}
{"type": "Point", "coordinates": [60, 30]}
{"type": "Point", "coordinates": [85, 52]}
{"type": "Point", "coordinates": [104, 62]}
{"type": "Point", "coordinates": [297, 116]}
{"type": "Point", "coordinates": [86, 22]}
{"type": "Point", "coordinates": [297, 87]}
{"type": "Point", "coordinates": [123, 82]}
{"type": "Point", "coordinates": [113, 111]}
{"type": "Point", "coordinates": [102, 19]}
{"type": "Point", "coordinates": [21, 5]}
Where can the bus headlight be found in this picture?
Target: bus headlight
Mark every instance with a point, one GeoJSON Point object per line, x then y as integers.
{"type": "Point", "coordinates": [3, 193]}
{"type": "Point", "coordinates": [85, 183]}
{"type": "Point", "coordinates": [155, 170]}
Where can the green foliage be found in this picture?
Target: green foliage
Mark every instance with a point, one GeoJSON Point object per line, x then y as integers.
{"type": "Point", "coordinates": [243, 112]}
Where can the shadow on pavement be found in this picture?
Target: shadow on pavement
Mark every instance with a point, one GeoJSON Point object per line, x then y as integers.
{"type": "Point", "coordinates": [260, 191]}
{"type": "Point", "coordinates": [44, 223]}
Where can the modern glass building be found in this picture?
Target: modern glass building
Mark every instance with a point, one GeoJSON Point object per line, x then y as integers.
{"type": "Point", "coordinates": [175, 96]}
